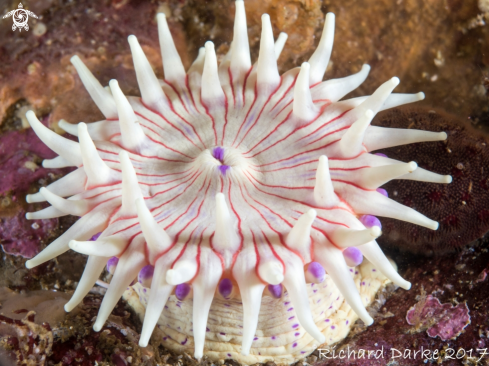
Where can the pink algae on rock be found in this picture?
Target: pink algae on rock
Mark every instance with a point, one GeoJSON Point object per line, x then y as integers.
{"type": "Point", "coordinates": [443, 320]}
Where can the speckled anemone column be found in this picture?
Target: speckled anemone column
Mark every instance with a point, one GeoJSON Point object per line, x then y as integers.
{"type": "Point", "coordinates": [279, 337]}
{"type": "Point", "coordinates": [229, 179]}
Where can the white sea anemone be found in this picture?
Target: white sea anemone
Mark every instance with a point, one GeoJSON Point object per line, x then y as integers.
{"type": "Point", "coordinates": [229, 179]}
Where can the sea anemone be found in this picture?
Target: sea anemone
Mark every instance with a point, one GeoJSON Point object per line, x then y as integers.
{"type": "Point", "coordinates": [229, 179]}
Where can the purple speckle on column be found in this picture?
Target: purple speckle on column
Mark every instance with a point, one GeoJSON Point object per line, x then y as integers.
{"type": "Point", "coordinates": [275, 291]}
{"type": "Point", "coordinates": [380, 154]}
{"type": "Point", "coordinates": [223, 169]}
{"type": "Point", "coordinates": [255, 339]}
{"type": "Point", "coordinates": [222, 333]}
{"type": "Point", "coordinates": [327, 320]}
{"type": "Point", "coordinates": [370, 221]}
{"type": "Point", "coordinates": [111, 264]}
{"type": "Point", "coordinates": [347, 322]}
{"type": "Point", "coordinates": [333, 327]}
{"type": "Point", "coordinates": [229, 355]}
{"type": "Point", "coordinates": [294, 345]}
{"type": "Point", "coordinates": [317, 271]}
{"type": "Point", "coordinates": [207, 329]}
{"type": "Point", "coordinates": [297, 334]}
{"type": "Point", "coordinates": [292, 317]}
{"type": "Point", "coordinates": [363, 283]}
{"type": "Point", "coordinates": [165, 338]}
{"type": "Point", "coordinates": [95, 237]}
{"type": "Point", "coordinates": [184, 342]}
{"type": "Point", "coordinates": [382, 191]}
{"type": "Point", "coordinates": [353, 256]}
{"type": "Point", "coordinates": [145, 275]}
{"type": "Point", "coordinates": [225, 287]}
{"type": "Point", "coordinates": [182, 290]}
{"type": "Point", "coordinates": [218, 153]}
{"type": "Point", "coordinates": [374, 270]}
{"type": "Point", "coordinates": [295, 326]}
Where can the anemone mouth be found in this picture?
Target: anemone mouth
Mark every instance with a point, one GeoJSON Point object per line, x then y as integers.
{"type": "Point", "coordinates": [229, 178]}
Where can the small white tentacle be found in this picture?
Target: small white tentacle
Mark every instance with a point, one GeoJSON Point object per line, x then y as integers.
{"type": "Point", "coordinates": [211, 86]}
{"type": "Point", "coordinates": [172, 63]}
{"type": "Point", "coordinates": [69, 150]}
{"type": "Point", "coordinates": [111, 246]}
{"type": "Point", "coordinates": [130, 187]}
{"type": "Point", "coordinates": [46, 213]}
{"type": "Point", "coordinates": [374, 254]}
{"type": "Point", "coordinates": [69, 207]}
{"type": "Point", "coordinates": [299, 237]}
{"type": "Point", "coordinates": [280, 43]}
{"type": "Point", "coordinates": [157, 239]}
{"type": "Point", "coordinates": [344, 238]}
{"type": "Point", "coordinates": [151, 90]}
{"type": "Point", "coordinates": [303, 107]}
{"type": "Point", "coordinates": [324, 195]}
{"type": "Point", "coordinates": [240, 52]}
{"type": "Point", "coordinates": [98, 173]}
{"type": "Point", "coordinates": [320, 58]}
{"type": "Point", "coordinates": [268, 77]}
{"type": "Point", "coordinates": [94, 267]}
{"type": "Point", "coordinates": [351, 143]}
{"type": "Point", "coordinates": [69, 185]}
{"type": "Point", "coordinates": [295, 283]}
{"type": "Point", "coordinates": [372, 178]}
{"type": "Point", "coordinates": [131, 132]}
{"type": "Point", "coordinates": [226, 240]}
{"type": "Point", "coordinates": [102, 97]}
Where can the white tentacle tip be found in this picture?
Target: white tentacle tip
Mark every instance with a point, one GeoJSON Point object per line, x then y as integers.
{"type": "Point", "coordinates": [97, 327]}
{"type": "Point", "coordinates": [74, 245]}
{"type": "Point", "coordinates": [368, 320]}
{"type": "Point", "coordinates": [82, 128]}
{"type": "Point", "coordinates": [209, 45]}
{"type": "Point", "coordinates": [68, 307]}
{"type": "Point", "coordinates": [406, 285]}
{"type": "Point", "coordinates": [306, 66]}
{"type": "Point", "coordinates": [369, 114]}
{"type": "Point", "coordinates": [132, 38]}
{"type": "Point", "coordinates": [265, 17]}
{"type": "Point", "coordinates": [28, 215]}
{"type": "Point", "coordinates": [29, 264]}
{"type": "Point", "coordinates": [395, 81]}
{"type": "Point", "coordinates": [173, 277]}
{"type": "Point", "coordinates": [74, 59]}
{"type": "Point", "coordinates": [28, 199]}
{"type": "Point", "coordinates": [321, 339]}
{"type": "Point", "coordinates": [30, 115]}
{"type": "Point", "coordinates": [434, 225]}
{"type": "Point", "coordinates": [375, 231]}
{"type": "Point", "coordinates": [443, 136]}
{"type": "Point", "coordinates": [447, 179]}
{"type": "Point", "coordinates": [143, 343]}
{"type": "Point", "coordinates": [366, 68]}
{"type": "Point", "coordinates": [420, 95]}
{"type": "Point", "coordinates": [412, 166]}
{"type": "Point", "coordinates": [245, 352]}
{"type": "Point", "coordinates": [330, 17]}
{"type": "Point", "coordinates": [311, 214]}
{"type": "Point", "coordinates": [198, 355]}
{"type": "Point", "coordinates": [160, 17]}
